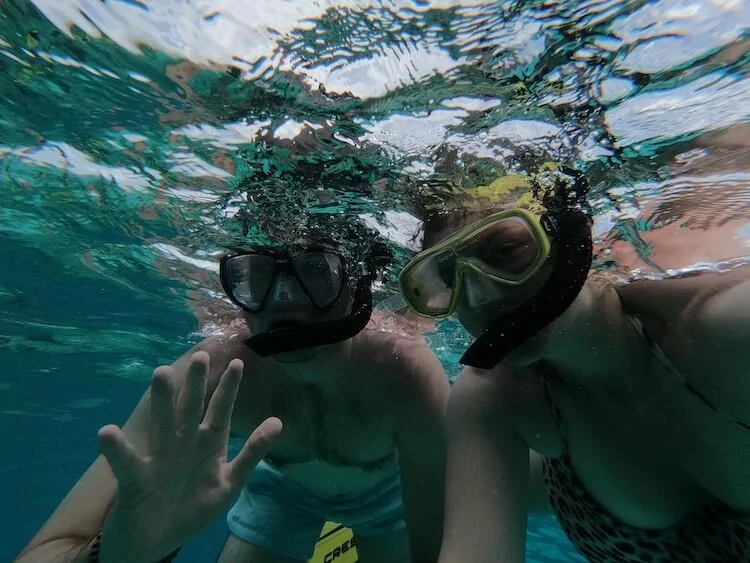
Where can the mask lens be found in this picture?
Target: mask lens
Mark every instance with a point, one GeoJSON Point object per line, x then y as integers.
{"type": "Point", "coordinates": [506, 250]}
{"type": "Point", "coordinates": [509, 248]}
{"type": "Point", "coordinates": [249, 278]}
{"type": "Point", "coordinates": [322, 276]}
{"type": "Point", "coordinates": [428, 285]}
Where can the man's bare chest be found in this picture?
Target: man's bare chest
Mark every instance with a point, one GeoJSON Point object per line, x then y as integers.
{"type": "Point", "coordinates": [341, 427]}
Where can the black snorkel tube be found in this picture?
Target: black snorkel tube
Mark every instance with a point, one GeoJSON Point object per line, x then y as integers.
{"type": "Point", "coordinates": [291, 338]}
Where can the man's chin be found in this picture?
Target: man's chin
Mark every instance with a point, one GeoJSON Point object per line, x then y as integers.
{"type": "Point", "coordinates": [296, 356]}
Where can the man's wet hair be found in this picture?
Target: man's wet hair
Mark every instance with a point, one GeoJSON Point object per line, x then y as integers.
{"type": "Point", "coordinates": [365, 251]}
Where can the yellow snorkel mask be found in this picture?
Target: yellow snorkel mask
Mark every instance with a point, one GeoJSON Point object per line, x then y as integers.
{"type": "Point", "coordinates": [508, 248]}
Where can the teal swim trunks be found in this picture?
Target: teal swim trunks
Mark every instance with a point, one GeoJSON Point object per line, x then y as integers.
{"type": "Point", "coordinates": [279, 515]}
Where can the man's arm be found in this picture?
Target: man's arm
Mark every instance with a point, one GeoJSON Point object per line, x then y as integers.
{"type": "Point", "coordinates": [66, 536]}
{"type": "Point", "coordinates": [421, 448]}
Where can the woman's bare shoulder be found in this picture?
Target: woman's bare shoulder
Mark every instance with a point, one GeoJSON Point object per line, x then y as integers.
{"type": "Point", "coordinates": [671, 298]}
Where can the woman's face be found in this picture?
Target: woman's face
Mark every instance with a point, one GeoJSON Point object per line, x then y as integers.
{"type": "Point", "coordinates": [509, 246]}
{"type": "Point", "coordinates": [477, 307]}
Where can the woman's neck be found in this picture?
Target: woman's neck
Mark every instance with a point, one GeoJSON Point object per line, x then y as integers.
{"type": "Point", "coordinates": [593, 339]}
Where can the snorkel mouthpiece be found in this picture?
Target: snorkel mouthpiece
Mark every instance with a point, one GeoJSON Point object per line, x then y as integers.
{"type": "Point", "coordinates": [292, 338]}
{"type": "Point", "coordinates": [572, 232]}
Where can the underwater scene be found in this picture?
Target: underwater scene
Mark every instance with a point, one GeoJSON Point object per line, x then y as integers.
{"type": "Point", "coordinates": [432, 230]}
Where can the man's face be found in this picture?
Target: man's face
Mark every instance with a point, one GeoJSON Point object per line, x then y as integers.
{"type": "Point", "coordinates": [288, 304]}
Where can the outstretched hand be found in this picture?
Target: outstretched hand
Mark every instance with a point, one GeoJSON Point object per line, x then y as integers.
{"type": "Point", "coordinates": [183, 482]}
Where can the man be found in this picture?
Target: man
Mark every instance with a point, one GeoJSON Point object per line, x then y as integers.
{"type": "Point", "coordinates": [362, 439]}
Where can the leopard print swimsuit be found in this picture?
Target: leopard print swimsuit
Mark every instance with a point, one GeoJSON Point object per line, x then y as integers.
{"type": "Point", "coordinates": [714, 534]}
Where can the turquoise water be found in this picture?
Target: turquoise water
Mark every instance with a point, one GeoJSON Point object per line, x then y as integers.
{"type": "Point", "coordinates": [131, 155]}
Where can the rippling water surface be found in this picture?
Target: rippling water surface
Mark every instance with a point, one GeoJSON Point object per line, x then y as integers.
{"type": "Point", "coordinates": [138, 138]}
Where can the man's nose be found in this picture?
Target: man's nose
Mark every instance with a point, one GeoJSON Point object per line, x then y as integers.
{"type": "Point", "coordinates": [286, 290]}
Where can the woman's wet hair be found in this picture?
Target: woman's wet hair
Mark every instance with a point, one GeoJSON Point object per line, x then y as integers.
{"type": "Point", "coordinates": [553, 190]}
{"type": "Point", "coordinates": [439, 225]}
{"type": "Point", "coordinates": [460, 209]}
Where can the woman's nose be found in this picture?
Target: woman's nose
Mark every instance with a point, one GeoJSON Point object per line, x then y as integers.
{"type": "Point", "coordinates": [479, 290]}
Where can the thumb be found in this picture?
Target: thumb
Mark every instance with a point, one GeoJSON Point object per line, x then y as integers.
{"type": "Point", "coordinates": [256, 447]}
{"type": "Point", "coordinates": [120, 454]}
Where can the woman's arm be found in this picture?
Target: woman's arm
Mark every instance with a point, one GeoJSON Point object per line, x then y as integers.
{"type": "Point", "coordinates": [491, 485]}
{"type": "Point", "coordinates": [706, 334]}
{"type": "Point", "coordinates": [715, 336]}
{"type": "Point", "coordinates": [421, 450]}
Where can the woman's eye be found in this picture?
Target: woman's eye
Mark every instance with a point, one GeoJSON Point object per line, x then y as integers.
{"type": "Point", "coordinates": [509, 247]}
{"type": "Point", "coordinates": [504, 249]}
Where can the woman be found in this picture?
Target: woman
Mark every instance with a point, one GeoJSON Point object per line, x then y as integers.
{"type": "Point", "coordinates": [626, 410]}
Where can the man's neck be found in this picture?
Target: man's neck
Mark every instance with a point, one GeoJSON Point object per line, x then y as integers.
{"type": "Point", "coordinates": [315, 365]}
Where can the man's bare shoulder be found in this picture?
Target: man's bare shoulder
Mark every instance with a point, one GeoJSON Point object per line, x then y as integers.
{"type": "Point", "coordinates": [397, 353]}
{"type": "Point", "coordinates": [228, 343]}
{"type": "Point", "coordinates": [390, 346]}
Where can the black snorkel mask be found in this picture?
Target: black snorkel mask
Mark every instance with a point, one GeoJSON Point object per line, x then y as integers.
{"type": "Point", "coordinates": [291, 338]}
{"type": "Point", "coordinates": [570, 228]}
{"type": "Point", "coordinates": [250, 277]}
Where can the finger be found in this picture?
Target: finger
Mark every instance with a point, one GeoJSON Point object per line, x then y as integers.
{"type": "Point", "coordinates": [190, 404]}
{"type": "Point", "coordinates": [256, 447]}
{"type": "Point", "coordinates": [220, 407]}
{"type": "Point", "coordinates": [119, 453]}
{"type": "Point", "coordinates": [162, 410]}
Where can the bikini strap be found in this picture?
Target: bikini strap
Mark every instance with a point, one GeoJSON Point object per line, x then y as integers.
{"type": "Point", "coordinates": [666, 362]}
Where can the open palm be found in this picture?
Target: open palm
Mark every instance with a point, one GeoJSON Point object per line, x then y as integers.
{"type": "Point", "coordinates": [183, 482]}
